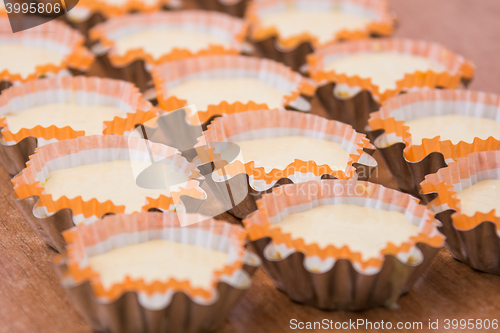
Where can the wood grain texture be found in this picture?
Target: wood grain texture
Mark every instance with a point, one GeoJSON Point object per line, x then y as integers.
{"type": "Point", "coordinates": [31, 299]}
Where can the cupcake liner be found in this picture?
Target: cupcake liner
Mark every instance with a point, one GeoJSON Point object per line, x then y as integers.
{"type": "Point", "coordinates": [295, 88]}
{"type": "Point", "coordinates": [474, 240]}
{"type": "Point", "coordinates": [293, 51]}
{"type": "Point", "coordinates": [276, 123]}
{"type": "Point", "coordinates": [131, 64]}
{"type": "Point", "coordinates": [81, 90]}
{"type": "Point", "coordinates": [88, 150]}
{"type": "Point", "coordinates": [338, 278]}
{"type": "Point", "coordinates": [231, 7]}
{"type": "Point", "coordinates": [351, 99]}
{"type": "Point", "coordinates": [169, 306]}
{"type": "Point", "coordinates": [88, 13]}
{"type": "Point", "coordinates": [410, 163]}
{"type": "Point", "coordinates": [66, 41]}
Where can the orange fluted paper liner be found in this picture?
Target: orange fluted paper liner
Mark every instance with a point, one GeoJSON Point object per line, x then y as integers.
{"type": "Point", "coordinates": [81, 91]}
{"type": "Point", "coordinates": [94, 149]}
{"type": "Point", "coordinates": [66, 41]}
{"type": "Point", "coordinates": [243, 126]}
{"type": "Point", "coordinates": [203, 308]}
{"type": "Point", "coordinates": [382, 23]}
{"type": "Point", "coordinates": [232, 29]}
{"type": "Point", "coordinates": [433, 153]}
{"type": "Point", "coordinates": [474, 239]}
{"type": "Point", "coordinates": [433, 102]}
{"type": "Point", "coordinates": [276, 75]}
{"type": "Point", "coordinates": [457, 67]}
{"type": "Point", "coordinates": [324, 269]}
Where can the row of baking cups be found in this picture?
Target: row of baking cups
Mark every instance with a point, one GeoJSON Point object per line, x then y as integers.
{"type": "Point", "coordinates": [473, 238]}
{"type": "Point", "coordinates": [16, 146]}
{"type": "Point", "coordinates": [408, 162]}
{"type": "Point", "coordinates": [333, 276]}
{"type": "Point", "coordinates": [292, 50]}
{"type": "Point", "coordinates": [49, 215]}
{"type": "Point", "coordinates": [66, 46]}
{"type": "Point", "coordinates": [268, 124]}
{"type": "Point", "coordinates": [152, 305]}
{"type": "Point", "coordinates": [351, 99]}
{"type": "Point", "coordinates": [296, 90]}
{"type": "Point", "coordinates": [133, 64]}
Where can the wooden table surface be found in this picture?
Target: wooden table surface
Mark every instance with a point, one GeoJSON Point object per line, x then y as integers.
{"type": "Point", "coordinates": [31, 299]}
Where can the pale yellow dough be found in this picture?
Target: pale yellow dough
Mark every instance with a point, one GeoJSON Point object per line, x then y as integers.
{"type": "Point", "coordinates": [160, 42]}
{"type": "Point", "coordinates": [277, 153]}
{"type": "Point", "coordinates": [203, 92]}
{"type": "Point", "coordinates": [323, 25]}
{"type": "Point", "coordinates": [104, 181]}
{"type": "Point", "coordinates": [383, 68]}
{"type": "Point", "coordinates": [481, 197]}
{"type": "Point", "coordinates": [363, 229]}
{"type": "Point", "coordinates": [159, 260]}
{"type": "Point", "coordinates": [88, 118]}
{"type": "Point", "coordinates": [23, 59]}
{"type": "Point", "coordinates": [452, 127]}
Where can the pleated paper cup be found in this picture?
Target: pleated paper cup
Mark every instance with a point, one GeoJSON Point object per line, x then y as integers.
{"type": "Point", "coordinates": [66, 43]}
{"type": "Point", "coordinates": [17, 146]}
{"type": "Point", "coordinates": [296, 90]}
{"type": "Point", "coordinates": [133, 64]}
{"type": "Point", "coordinates": [334, 278]}
{"type": "Point", "coordinates": [88, 13]}
{"type": "Point", "coordinates": [170, 304]}
{"type": "Point", "coordinates": [408, 162]}
{"type": "Point", "coordinates": [263, 124]}
{"type": "Point", "coordinates": [292, 50]}
{"type": "Point", "coordinates": [351, 99]}
{"type": "Point", "coordinates": [3, 11]}
{"type": "Point", "coordinates": [472, 239]}
{"type": "Point", "coordinates": [48, 213]}
{"type": "Point", "coordinates": [231, 7]}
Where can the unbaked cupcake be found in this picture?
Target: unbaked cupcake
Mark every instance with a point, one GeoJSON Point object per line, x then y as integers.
{"type": "Point", "coordinates": [169, 278]}
{"type": "Point", "coordinates": [468, 196]}
{"type": "Point", "coordinates": [88, 13]}
{"type": "Point", "coordinates": [42, 111]}
{"type": "Point", "coordinates": [285, 146]}
{"type": "Point", "coordinates": [425, 130]}
{"type": "Point", "coordinates": [343, 244]}
{"type": "Point", "coordinates": [38, 52]}
{"type": "Point", "coordinates": [227, 84]}
{"type": "Point", "coordinates": [287, 30]}
{"type": "Point", "coordinates": [131, 41]}
{"type": "Point", "coordinates": [355, 78]}
{"type": "Point", "coordinates": [96, 175]}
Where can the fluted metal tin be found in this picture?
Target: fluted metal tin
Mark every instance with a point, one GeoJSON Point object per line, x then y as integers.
{"type": "Point", "coordinates": [478, 247]}
{"type": "Point", "coordinates": [134, 72]}
{"type": "Point", "coordinates": [293, 58]}
{"type": "Point", "coordinates": [248, 205]}
{"type": "Point", "coordinates": [343, 287]}
{"type": "Point", "coordinates": [13, 158]}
